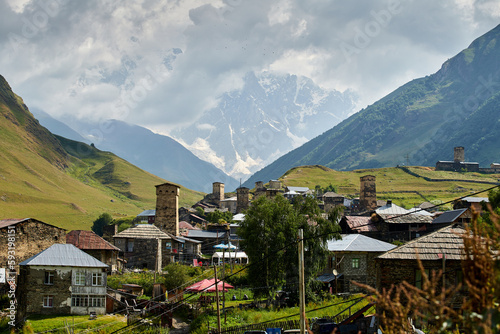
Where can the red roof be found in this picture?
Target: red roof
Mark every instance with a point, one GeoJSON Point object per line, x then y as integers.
{"type": "Point", "coordinates": [88, 240]}
{"type": "Point", "coordinates": [187, 226]}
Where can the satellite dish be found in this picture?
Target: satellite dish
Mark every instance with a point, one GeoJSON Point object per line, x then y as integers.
{"type": "Point", "coordinates": [335, 272]}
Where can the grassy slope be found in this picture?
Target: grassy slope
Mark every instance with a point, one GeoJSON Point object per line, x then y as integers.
{"type": "Point", "coordinates": [391, 181]}
{"type": "Point", "coordinates": [39, 179]}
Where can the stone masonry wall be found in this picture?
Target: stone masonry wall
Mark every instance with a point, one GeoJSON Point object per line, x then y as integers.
{"type": "Point", "coordinates": [167, 208]}
{"type": "Point", "coordinates": [31, 238]}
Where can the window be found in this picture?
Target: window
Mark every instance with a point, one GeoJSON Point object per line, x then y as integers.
{"type": "Point", "coordinates": [97, 279]}
{"type": "Point", "coordinates": [79, 300]}
{"type": "Point", "coordinates": [96, 301]}
{"type": "Point", "coordinates": [355, 263]}
{"type": "Point", "coordinates": [419, 278]}
{"type": "Point", "coordinates": [49, 277]}
{"type": "Point", "coordinates": [79, 278]}
{"type": "Point", "coordinates": [130, 246]}
{"type": "Point", "coordinates": [48, 301]}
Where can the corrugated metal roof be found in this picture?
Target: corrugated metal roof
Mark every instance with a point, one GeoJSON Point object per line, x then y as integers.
{"type": "Point", "coordinates": [142, 231]}
{"type": "Point", "coordinates": [391, 209]}
{"type": "Point", "coordinates": [298, 189]}
{"type": "Point", "coordinates": [14, 221]}
{"type": "Point", "coordinates": [66, 255]}
{"type": "Point", "coordinates": [446, 241]}
{"type": "Point", "coordinates": [449, 216]}
{"type": "Point", "coordinates": [205, 234]}
{"type": "Point", "coordinates": [185, 225]}
{"type": "Point", "coordinates": [88, 240]}
{"type": "Point", "coordinates": [476, 199]}
{"type": "Point", "coordinates": [239, 217]}
{"type": "Point", "coordinates": [147, 213]}
{"type": "Point", "coordinates": [358, 243]}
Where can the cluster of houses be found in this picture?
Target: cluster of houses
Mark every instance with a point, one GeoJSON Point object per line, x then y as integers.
{"type": "Point", "coordinates": [59, 272]}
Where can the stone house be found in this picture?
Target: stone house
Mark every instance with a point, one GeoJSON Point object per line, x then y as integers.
{"type": "Point", "coordinates": [94, 245]}
{"type": "Point", "coordinates": [139, 245]}
{"type": "Point", "coordinates": [352, 259]}
{"type": "Point", "coordinates": [31, 236]}
{"type": "Point", "coordinates": [437, 250]}
{"type": "Point", "coordinates": [62, 279]}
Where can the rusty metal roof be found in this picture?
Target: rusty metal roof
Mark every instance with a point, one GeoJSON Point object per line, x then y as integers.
{"type": "Point", "coordinates": [88, 240]}
{"type": "Point", "coordinates": [361, 224]}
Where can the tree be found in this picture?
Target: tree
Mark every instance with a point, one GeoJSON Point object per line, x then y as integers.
{"type": "Point", "coordinates": [269, 234]}
{"type": "Point", "coordinates": [104, 219]}
{"type": "Point", "coordinates": [219, 217]}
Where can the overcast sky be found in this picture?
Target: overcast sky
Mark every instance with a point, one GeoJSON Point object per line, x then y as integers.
{"type": "Point", "coordinates": [161, 63]}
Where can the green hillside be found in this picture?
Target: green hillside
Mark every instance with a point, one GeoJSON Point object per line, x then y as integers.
{"type": "Point", "coordinates": [419, 122]}
{"type": "Point", "coordinates": [394, 183]}
{"type": "Point", "coordinates": [63, 182]}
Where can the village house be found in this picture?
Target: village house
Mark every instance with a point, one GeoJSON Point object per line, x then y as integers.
{"type": "Point", "coordinates": [94, 245]}
{"type": "Point", "coordinates": [31, 237]}
{"type": "Point", "coordinates": [475, 203]}
{"type": "Point", "coordinates": [144, 246]}
{"type": "Point", "coordinates": [352, 259]}
{"type": "Point", "coordinates": [61, 279]}
{"type": "Point", "coordinates": [442, 249]}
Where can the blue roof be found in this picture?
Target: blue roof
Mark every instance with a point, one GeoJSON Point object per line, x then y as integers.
{"type": "Point", "coordinates": [66, 255]}
{"type": "Point", "coordinates": [358, 243]}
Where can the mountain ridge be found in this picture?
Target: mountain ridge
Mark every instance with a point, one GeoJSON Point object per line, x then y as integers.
{"type": "Point", "coordinates": [416, 122]}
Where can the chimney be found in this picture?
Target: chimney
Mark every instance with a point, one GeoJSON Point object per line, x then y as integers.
{"type": "Point", "coordinates": [389, 203]}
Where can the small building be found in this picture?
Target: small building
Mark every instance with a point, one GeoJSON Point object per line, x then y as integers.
{"type": "Point", "coordinates": [139, 245]}
{"type": "Point", "coordinates": [352, 259]}
{"type": "Point", "coordinates": [440, 249]}
{"type": "Point", "coordinates": [452, 217]}
{"type": "Point", "coordinates": [229, 204]}
{"type": "Point", "coordinates": [94, 245]}
{"type": "Point", "coordinates": [208, 239]}
{"type": "Point", "coordinates": [31, 237]}
{"type": "Point", "coordinates": [475, 203]}
{"type": "Point", "coordinates": [61, 279]}
{"type": "Point", "coordinates": [147, 216]}
{"type": "Point", "coordinates": [332, 200]}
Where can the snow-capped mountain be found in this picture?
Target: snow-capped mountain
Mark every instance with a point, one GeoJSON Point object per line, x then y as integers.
{"type": "Point", "coordinates": [267, 118]}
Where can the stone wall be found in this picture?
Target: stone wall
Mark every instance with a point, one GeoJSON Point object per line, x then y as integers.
{"type": "Point", "coordinates": [33, 289]}
{"type": "Point", "coordinates": [31, 237]}
{"type": "Point", "coordinates": [144, 252]}
{"type": "Point", "coordinates": [167, 208]}
{"type": "Point", "coordinates": [368, 193]}
{"type": "Point", "coordinates": [242, 201]}
{"type": "Point", "coordinates": [391, 272]}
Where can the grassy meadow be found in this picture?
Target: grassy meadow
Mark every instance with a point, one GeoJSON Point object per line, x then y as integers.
{"type": "Point", "coordinates": [393, 183]}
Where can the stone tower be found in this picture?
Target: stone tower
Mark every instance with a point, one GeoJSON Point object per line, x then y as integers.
{"type": "Point", "coordinates": [368, 193]}
{"type": "Point", "coordinates": [459, 154]}
{"type": "Point", "coordinates": [167, 208]}
{"type": "Point", "coordinates": [242, 199]}
{"type": "Point", "coordinates": [218, 192]}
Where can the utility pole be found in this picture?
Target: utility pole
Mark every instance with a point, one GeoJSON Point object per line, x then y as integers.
{"type": "Point", "coordinates": [302, 295]}
{"type": "Point", "coordinates": [217, 299]}
{"type": "Point", "coordinates": [158, 258]}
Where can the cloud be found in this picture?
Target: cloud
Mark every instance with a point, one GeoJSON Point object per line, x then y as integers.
{"type": "Point", "coordinates": [162, 63]}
